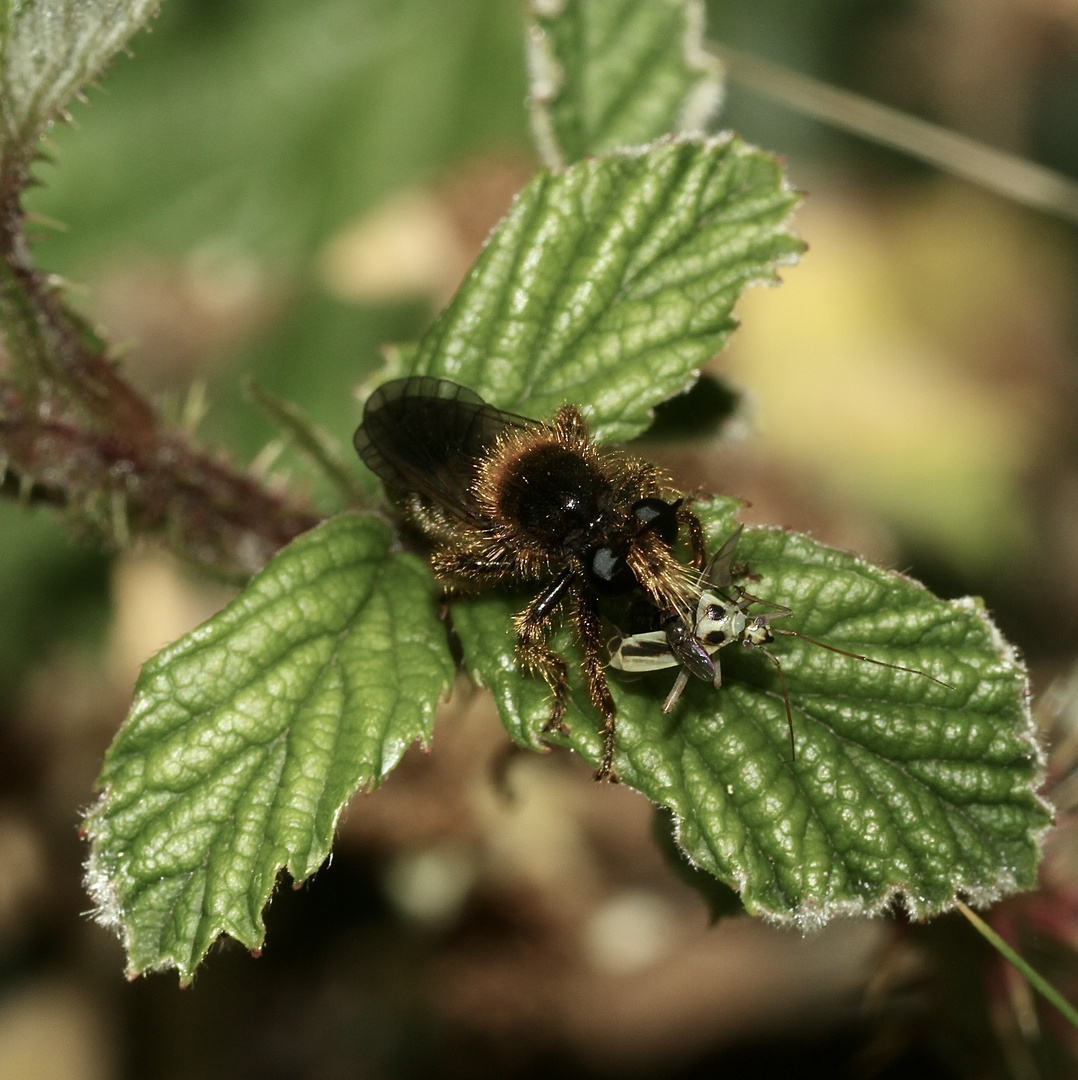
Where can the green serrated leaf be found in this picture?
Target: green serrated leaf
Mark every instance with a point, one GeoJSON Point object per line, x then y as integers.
{"type": "Point", "coordinates": [611, 283]}
{"type": "Point", "coordinates": [901, 789]}
{"type": "Point", "coordinates": [49, 49]}
{"type": "Point", "coordinates": [248, 735]}
{"type": "Point", "coordinates": [607, 74]}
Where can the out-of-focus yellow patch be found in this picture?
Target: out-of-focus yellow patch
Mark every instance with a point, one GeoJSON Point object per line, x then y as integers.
{"type": "Point", "coordinates": [154, 603]}
{"type": "Point", "coordinates": [404, 248]}
{"type": "Point", "coordinates": [853, 381]}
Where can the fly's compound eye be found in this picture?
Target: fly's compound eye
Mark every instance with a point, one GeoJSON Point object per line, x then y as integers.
{"type": "Point", "coordinates": [608, 572]}
{"type": "Point", "coordinates": [658, 517]}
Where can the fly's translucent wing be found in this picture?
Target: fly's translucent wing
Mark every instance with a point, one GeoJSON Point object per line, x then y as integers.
{"type": "Point", "coordinates": [427, 436]}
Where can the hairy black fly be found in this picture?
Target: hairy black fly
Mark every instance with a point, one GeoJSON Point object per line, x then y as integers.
{"type": "Point", "coordinates": [507, 499]}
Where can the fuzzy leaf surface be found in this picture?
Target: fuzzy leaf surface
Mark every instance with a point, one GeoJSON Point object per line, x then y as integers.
{"type": "Point", "coordinates": [247, 737]}
{"type": "Point", "coordinates": [900, 788]}
{"type": "Point", "coordinates": [51, 48]}
{"type": "Point", "coordinates": [607, 74]}
{"type": "Point", "coordinates": [611, 283]}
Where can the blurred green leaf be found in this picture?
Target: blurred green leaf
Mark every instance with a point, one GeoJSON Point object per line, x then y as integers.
{"type": "Point", "coordinates": [611, 283]}
{"type": "Point", "coordinates": [900, 788]}
{"type": "Point", "coordinates": [248, 735]}
{"type": "Point", "coordinates": [293, 118]}
{"type": "Point", "coordinates": [48, 50]}
{"type": "Point", "coordinates": [607, 74]}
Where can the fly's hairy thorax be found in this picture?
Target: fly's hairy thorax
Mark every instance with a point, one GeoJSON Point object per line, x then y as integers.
{"type": "Point", "coordinates": [552, 496]}
{"type": "Point", "coordinates": [547, 489]}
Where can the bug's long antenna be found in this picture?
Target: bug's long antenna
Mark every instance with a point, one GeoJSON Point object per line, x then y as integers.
{"type": "Point", "coordinates": [785, 697]}
{"type": "Point", "coordinates": [858, 656]}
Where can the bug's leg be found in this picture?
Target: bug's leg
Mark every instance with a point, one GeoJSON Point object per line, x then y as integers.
{"type": "Point", "coordinates": [785, 698]}
{"type": "Point", "coordinates": [590, 629]}
{"type": "Point", "coordinates": [678, 689]}
{"type": "Point", "coordinates": [532, 625]}
{"type": "Point", "coordinates": [717, 681]}
{"type": "Point", "coordinates": [471, 565]}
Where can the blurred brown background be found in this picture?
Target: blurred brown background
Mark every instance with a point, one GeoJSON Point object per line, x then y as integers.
{"type": "Point", "coordinates": [277, 190]}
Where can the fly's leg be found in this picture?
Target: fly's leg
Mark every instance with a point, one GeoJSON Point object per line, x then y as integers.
{"type": "Point", "coordinates": [470, 566]}
{"type": "Point", "coordinates": [544, 661]}
{"type": "Point", "coordinates": [696, 533]}
{"type": "Point", "coordinates": [532, 625]}
{"type": "Point", "coordinates": [590, 629]}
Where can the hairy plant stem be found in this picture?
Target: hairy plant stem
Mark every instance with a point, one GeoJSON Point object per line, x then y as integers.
{"type": "Point", "coordinates": [71, 425]}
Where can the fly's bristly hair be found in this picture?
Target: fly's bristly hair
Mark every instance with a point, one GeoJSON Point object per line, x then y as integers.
{"type": "Point", "coordinates": [672, 585]}
{"type": "Point", "coordinates": [503, 498]}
